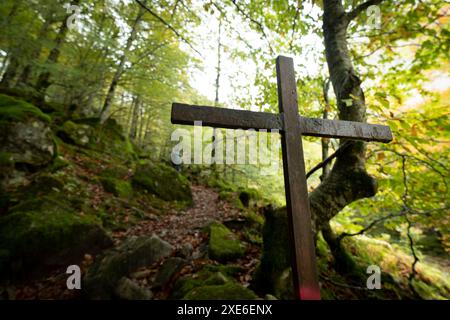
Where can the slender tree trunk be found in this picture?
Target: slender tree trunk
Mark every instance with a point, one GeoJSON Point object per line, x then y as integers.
{"type": "Point", "coordinates": [4, 62]}
{"type": "Point", "coordinates": [12, 66]}
{"type": "Point", "coordinates": [43, 81]}
{"type": "Point", "coordinates": [348, 180]}
{"type": "Point", "coordinates": [119, 71]}
{"type": "Point", "coordinates": [24, 78]}
{"type": "Point", "coordinates": [216, 100]}
{"type": "Point", "coordinates": [12, 69]}
{"type": "Point", "coordinates": [147, 129]}
{"type": "Point", "coordinates": [135, 118]}
{"type": "Point", "coordinates": [325, 141]}
{"type": "Point", "coordinates": [130, 116]}
{"type": "Point", "coordinates": [141, 126]}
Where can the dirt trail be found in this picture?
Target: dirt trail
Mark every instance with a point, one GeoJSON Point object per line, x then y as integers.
{"type": "Point", "coordinates": [178, 227]}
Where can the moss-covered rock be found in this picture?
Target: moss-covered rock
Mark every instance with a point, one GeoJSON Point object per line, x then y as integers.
{"type": "Point", "coordinates": [128, 290]}
{"type": "Point", "coordinates": [223, 244]}
{"type": "Point", "coordinates": [44, 184]}
{"type": "Point", "coordinates": [26, 140]}
{"type": "Point", "coordinates": [78, 134]}
{"type": "Point", "coordinates": [16, 110]}
{"type": "Point", "coordinates": [210, 275]}
{"type": "Point", "coordinates": [108, 138]}
{"type": "Point", "coordinates": [47, 231]}
{"type": "Point", "coordinates": [120, 188]}
{"type": "Point", "coordinates": [163, 181]}
{"type": "Point", "coordinates": [227, 291]}
{"type": "Point", "coordinates": [102, 278]}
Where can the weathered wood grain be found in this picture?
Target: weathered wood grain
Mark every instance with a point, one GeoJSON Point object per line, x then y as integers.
{"type": "Point", "coordinates": [224, 118]}
{"type": "Point", "coordinates": [344, 129]}
{"type": "Point", "coordinates": [304, 270]}
{"type": "Point", "coordinates": [243, 119]}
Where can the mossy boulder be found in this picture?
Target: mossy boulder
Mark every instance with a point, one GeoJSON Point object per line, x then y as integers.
{"type": "Point", "coordinates": [210, 275]}
{"type": "Point", "coordinates": [223, 244]}
{"type": "Point", "coordinates": [120, 188]}
{"type": "Point", "coordinates": [26, 140]}
{"type": "Point", "coordinates": [16, 110]}
{"type": "Point", "coordinates": [47, 232]}
{"type": "Point", "coordinates": [78, 134]}
{"type": "Point", "coordinates": [227, 291]}
{"type": "Point", "coordinates": [108, 138]}
{"type": "Point", "coordinates": [136, 252]}
{"type": "Point", "coordinates": [163, 181]}
{"type": "Point", "coordinates": [128, 290]}
{"type": "Point", "coordinates": [43, 184]}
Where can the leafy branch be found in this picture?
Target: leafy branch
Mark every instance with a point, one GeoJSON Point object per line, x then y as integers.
{"type": "Point", "coordinates": [168, 25]}
{"type": "Point", "coordinates": [257, 23]}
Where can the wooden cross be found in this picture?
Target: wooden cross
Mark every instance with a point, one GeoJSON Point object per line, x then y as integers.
{"type": "Point", "coordinates": [292, 127]}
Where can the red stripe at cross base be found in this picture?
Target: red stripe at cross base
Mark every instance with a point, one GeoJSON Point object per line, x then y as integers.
{"type": "Point", "coordinates": [308, 293]}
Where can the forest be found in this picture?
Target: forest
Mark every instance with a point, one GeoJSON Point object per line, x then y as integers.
{"type": "Point", "coordinates": [103, 197]}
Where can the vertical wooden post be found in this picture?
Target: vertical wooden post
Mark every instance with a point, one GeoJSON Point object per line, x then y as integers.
{"type": "Point", "coordinates": [304, 272]}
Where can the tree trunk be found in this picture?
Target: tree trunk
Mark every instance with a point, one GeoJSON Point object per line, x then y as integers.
{"type": "Point", "coordinates": [141, 127]}
{"type": "Point", "coordinates": [118, 73]}
{"type": "Point", "coordinates": [13, 65]}
{"type": "Point", "coordinates": [135, 118]}
{"type": "Point", "coordinates": [10, 74]}
{"type": "Point", "coordinates": [325, 141]}
{"type": "Point", "coordinates": [216, 100]}
{"type": "Point", "coordinates": [348, 180]}
{"type": "Point", "coordinates": [24, 78]}
{"type": "Point", "coordinates": [43, 81]}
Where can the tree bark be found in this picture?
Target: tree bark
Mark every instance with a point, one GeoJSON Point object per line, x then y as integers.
{"type": "Point", "coordinates": [325, 141]}
{"type": "Point", "coordinates": [348, 180]}
{"type": "Point", "coordinates": [135, 117]}
{"type": "Point", "coordinates": [43, 81]}
{"type": "Point", "coordinates": [13, 62]}
{"type": "Point", "coordinates": [10, 74]}
{"type": "Point", "coordinates": [27, 71]}
{"type": "Point", "coordinates": [216, 100]}
{"type": "Point", "coordinates": [119, 71]}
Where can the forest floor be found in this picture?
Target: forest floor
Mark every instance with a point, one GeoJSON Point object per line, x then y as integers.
{"type": "Point", "coordinates": [177, 227]}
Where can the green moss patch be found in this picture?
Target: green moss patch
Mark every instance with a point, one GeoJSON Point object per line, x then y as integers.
{"type": "Point", "coordinates": [12, 109]}
{"type": "Point", "coordinates": [120, 188]}
{"type": "Point", "coordinates": [210, 275]}
{"type": "Point", "coordinates": [47, 231]}
{"type": "Point", "coordinates": [227, 291]}
{"type": "Point", "coordinates": [223, 244]}
{"type": "Point", "coordinates": [163, 181]}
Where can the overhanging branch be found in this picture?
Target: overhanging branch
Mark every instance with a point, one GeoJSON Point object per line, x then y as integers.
{"type": "Point", "coordinates": [168, 25]}
{"type": "Point", "coordinates": [363, 6]}
{"type": "Point", "coordinates": [257, 23]}
{"type": "Point", "coordinates": [325, 162]}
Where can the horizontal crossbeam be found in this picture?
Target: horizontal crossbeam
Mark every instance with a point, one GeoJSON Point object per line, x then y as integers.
{"type": "Point", "coordinates": [243, 119]}
{"type": "Point", "coordinates": [224, 118]}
